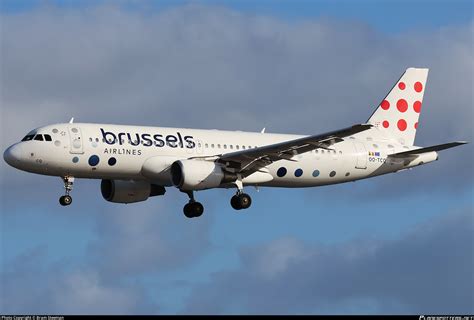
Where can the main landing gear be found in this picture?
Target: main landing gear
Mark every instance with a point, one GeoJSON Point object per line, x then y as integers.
{"type": "Point", "coordinates": [240, 201]}
{"type": "Point", "coordinates": [193, 209]}
{"type": "Point", "coordinates": [67, 199]}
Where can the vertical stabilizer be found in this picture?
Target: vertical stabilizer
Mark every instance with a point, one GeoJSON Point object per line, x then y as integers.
{"type": "Point", "coordinates": [397, 115]}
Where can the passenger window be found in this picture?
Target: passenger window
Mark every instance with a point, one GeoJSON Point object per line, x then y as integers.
{"type": "Point", "coordinates": [225, 146]}
{"type": "Point", "coordinates": [206, 145]}
{"type": "Point", "coordinates": [218, 145]}
{"type": "Point", "coordinates": [212, 146]}
{"type": "Point", "coordinates": [237, 147]}
{"type": "Point", "coordinates": [243, 147]}
{"type": "Point", "coordinates": [47, 137]}
{"type": "Point", "coordinates": [231, 146]}
{"type": "Point", "coordinates": [39, 137]}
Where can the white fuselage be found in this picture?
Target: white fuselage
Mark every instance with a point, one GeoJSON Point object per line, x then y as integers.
{"type": "Point", "coordinates": [105, 151]}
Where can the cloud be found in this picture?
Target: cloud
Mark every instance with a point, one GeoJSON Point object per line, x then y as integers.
{"type": "Point", "coordinates": [126, 246]}
{"type": "Point", "coordinates": [427, 271]}
{"type": "Point", "coordinates": [32, 285]}
{"type": "Point", "coordinates": [148, 239]}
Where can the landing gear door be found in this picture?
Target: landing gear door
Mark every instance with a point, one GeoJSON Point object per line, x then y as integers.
{"type": "Point", "coordinates": [75, 137]}
{"type": "Point", "coordinates": [361, 155]}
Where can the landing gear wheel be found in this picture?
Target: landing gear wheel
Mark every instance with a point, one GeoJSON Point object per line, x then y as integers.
{"type": "Point", "coordinates": [234, 202]}
{"type": "Point", "coordinates": [193, 210]}
{"type": "Point", "coordinates": [241, 201]}
{"type": "Point", "coordinates": [65, 200]}
{"type": "Point", "coordinates": [244, 200]}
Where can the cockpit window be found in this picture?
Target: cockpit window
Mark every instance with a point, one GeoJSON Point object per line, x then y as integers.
{"type": "Point", "coordinates": [28, 138]}
{"type": "Point", "coordinates": [37, 137]}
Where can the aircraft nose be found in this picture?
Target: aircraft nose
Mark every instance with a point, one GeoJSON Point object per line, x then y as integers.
{"type": "Point", "coordinates": [13, 155]}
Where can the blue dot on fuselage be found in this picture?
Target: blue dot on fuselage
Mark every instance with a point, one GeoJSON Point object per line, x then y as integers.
{"type": "Point", "coordinates": [298, 173]}
{"type": "Point", "coordinates": [112, 161]}
{"type": "Point", "coordinates": [281, 172]}
{"type": "Point", "coordinates": [93, 160]}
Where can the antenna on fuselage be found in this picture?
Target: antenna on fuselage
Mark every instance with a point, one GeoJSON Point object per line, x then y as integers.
{"type": "Point", "coordinates": [72, 120]}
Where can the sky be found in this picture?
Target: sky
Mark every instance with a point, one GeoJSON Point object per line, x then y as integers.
{"type": "Point", "coordinates": [396, 244]}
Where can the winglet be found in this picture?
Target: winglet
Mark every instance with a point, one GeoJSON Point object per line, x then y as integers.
{"type": "Point", "coordinates": [72, 120]}
{"type": "Point", "coordinates": [263, 130]}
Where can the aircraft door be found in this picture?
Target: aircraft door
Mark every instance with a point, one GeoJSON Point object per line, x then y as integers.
{"type": "Point", "coordinates": [361, 155]}
{"type": "Point", "coordinates": [75, 138]}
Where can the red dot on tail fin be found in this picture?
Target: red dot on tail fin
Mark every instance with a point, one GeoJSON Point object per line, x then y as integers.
{"type": "Point", "coordinates": [401, 85]}
{"type": "Point", "coordinates": [385, 124]}
{"type": "Point", "coordinates": [385, 105]}
{"type": "Point", "coordinates": [402, 125]}
{"type": "Point", "coordinates": [417, 106]}
{"type": "Point", "coordinates": [418, 86]}
{"type": "Point", "coordinates": [402, 105]}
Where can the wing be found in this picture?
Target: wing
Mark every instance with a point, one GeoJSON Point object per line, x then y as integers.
{"type": "Point", "coordinates": [250, 160]}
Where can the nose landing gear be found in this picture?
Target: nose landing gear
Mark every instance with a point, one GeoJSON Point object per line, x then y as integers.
{"type": "Point", "coordinates": [67, 199]}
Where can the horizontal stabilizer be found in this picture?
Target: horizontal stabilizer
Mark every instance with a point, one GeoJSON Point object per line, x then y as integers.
{"type": "Point", "coordinates": [438, 147]}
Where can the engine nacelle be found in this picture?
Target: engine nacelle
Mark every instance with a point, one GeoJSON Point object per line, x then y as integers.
{"type": "Point", "coordinates": [157, 169]}
{"type": "Point", "coordinates": [129, 191]}
{"type": "Point", "coordinates": [190, 175]}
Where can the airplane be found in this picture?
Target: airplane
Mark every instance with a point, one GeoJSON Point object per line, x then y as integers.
{"type": "Point", "coordinates": [136, 162]}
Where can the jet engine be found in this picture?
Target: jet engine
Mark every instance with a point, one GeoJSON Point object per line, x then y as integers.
{"type": "Point", "coordinates": [129, 191]}
{"type": "Point", "coordinates": [190, 175]}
